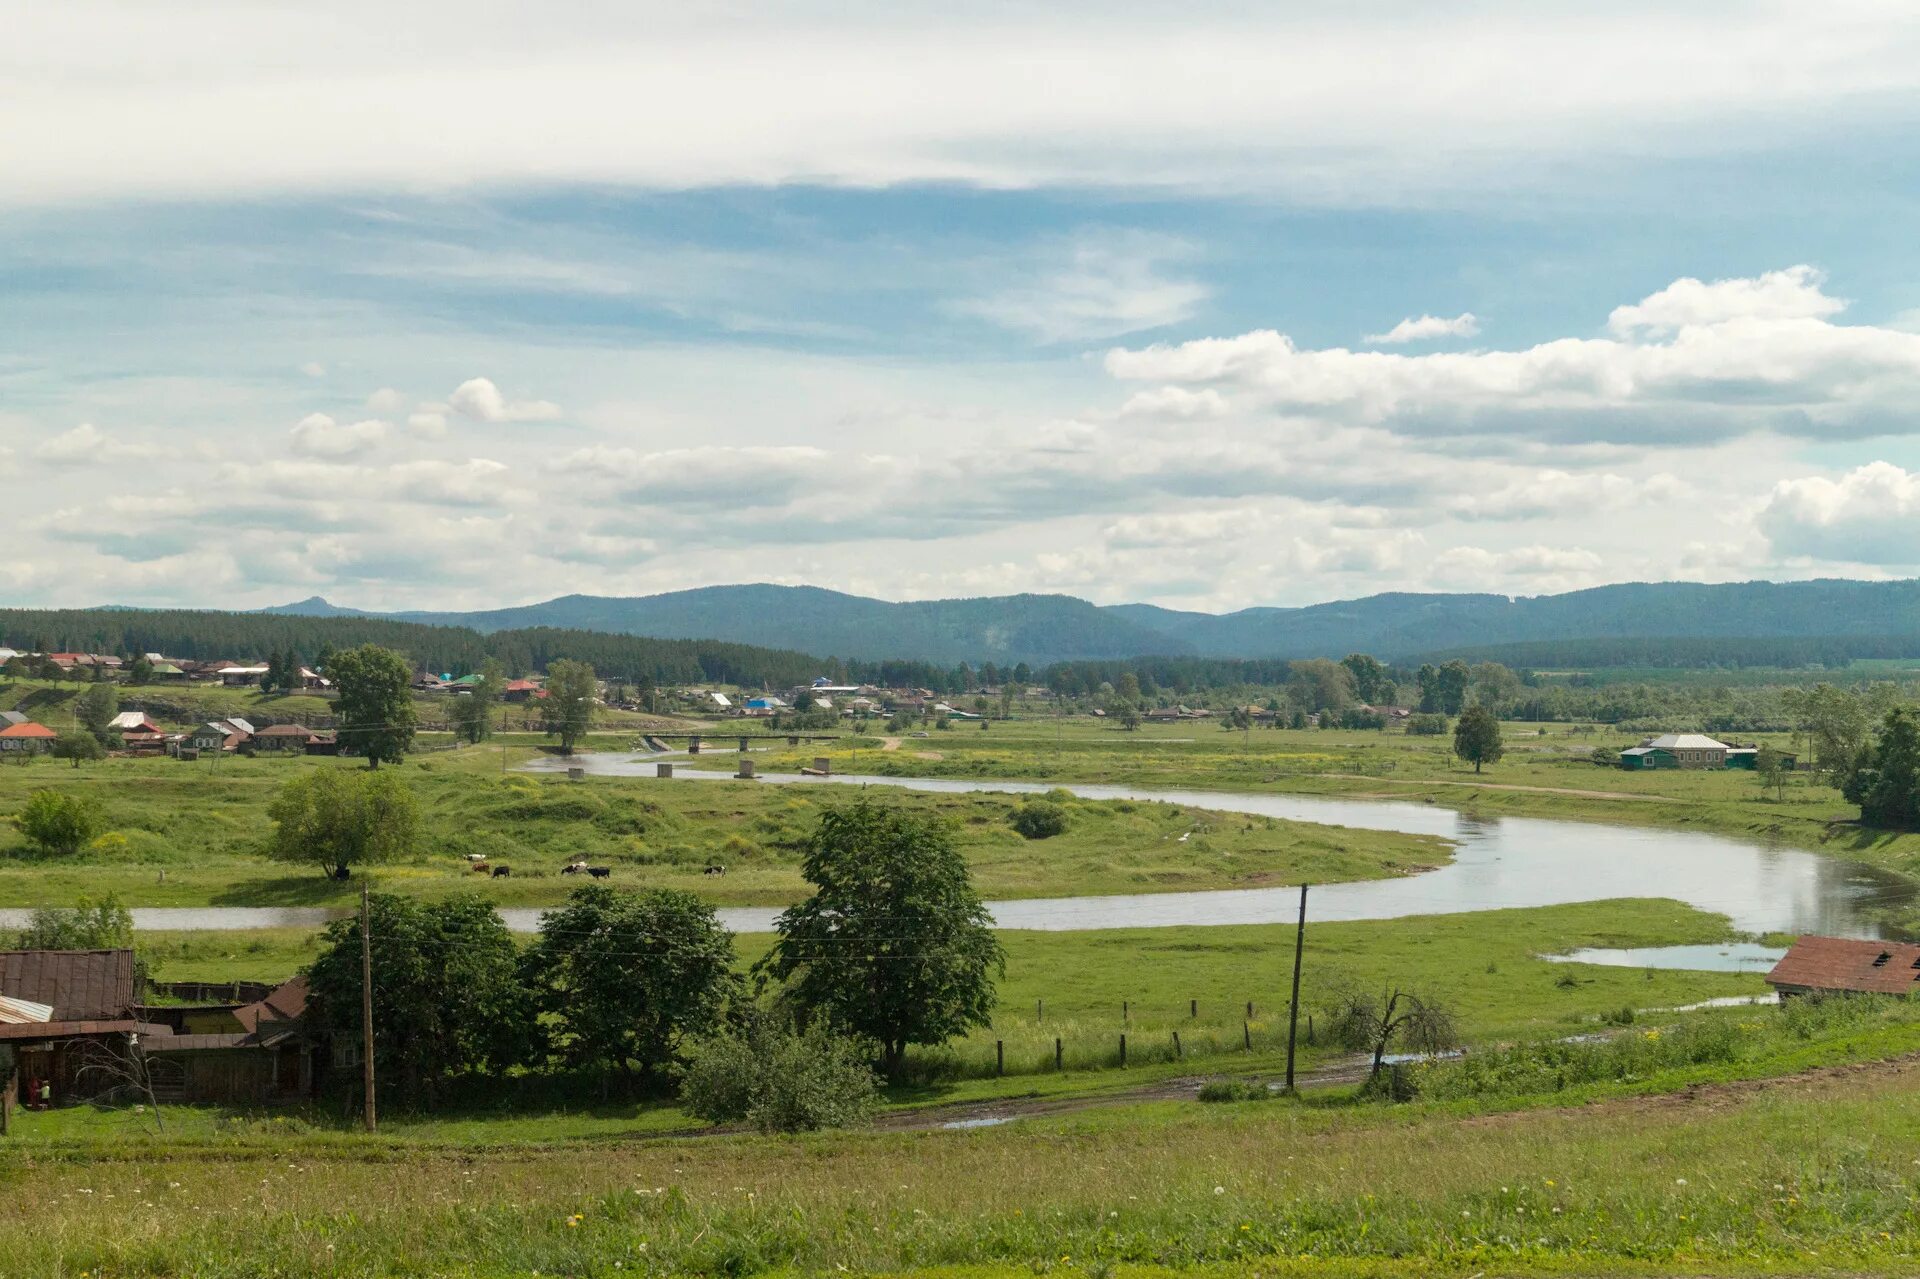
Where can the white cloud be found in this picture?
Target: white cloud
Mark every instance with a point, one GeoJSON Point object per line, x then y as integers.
{"type": "Point", "coordinates": [317, 435]}
{"type": "Point", "coordinates": [479, 399]}
{"type": "Point", "coordinates": [1111, 284]}
{"type": "Point", "coordinates": [1175, 402]}
{"type": "Point", "coordinates": [313, 368]}
{"type": "Point", "coordinates": [1792, 294]}
{"type": "Point", "coordinates": [1541, 568]}
{"type": "Point", "coordinates": [126, 103]}
{"type": "Point", "coordinates": [85, 445]}
{"type": "Point", "coordinates": [386, 402]}
{"type": "Point", "coordinates": [427, 422]}
{"type": "Point", "coordinates": [1464, 325]}
{"type": "Point", "coordinates": [1871, 515]}
{"type": "Point", "coordinates": [1702, 362]}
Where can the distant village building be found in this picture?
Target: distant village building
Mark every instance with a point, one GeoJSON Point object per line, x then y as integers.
{"type": "Point", "coordinates": [1842, 965]}
{"type": "Point", "coordinates": [1676, 750]}
{"type": "Point", "coordinates": [292, 738]}
{"type": "Point", "coordinates": [27, 738]}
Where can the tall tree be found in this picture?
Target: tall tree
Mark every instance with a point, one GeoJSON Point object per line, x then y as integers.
{"type": "Point", "coordinates": [98, 705]}
{"type": "Point", "coordinates": [1368, 676]}
{"type": "Point", "coordinates": [375, 709]}
{"type": "Point", "coordinates": [1476, 738]}
{"type": "Point", "coordinates": [1451, 686]}
{"type": "Point", "coordinates": [1317, 684]}
{"type": "Point", "coordinates": [1886, 783]}
{"type": "Point", "coordinates": [338, 817]}
{"type": "Point", "coordinates": [473, 710]}
{"type": "Point", "coordinates": [894, 943]}
{"type": "Point", "coordinates": [447, 995]}
{"type": "Point", "coordinates": [569, 701]}
{"type": "Point", "coordinates": [626, 978]}
{"type": "Point", "coordinates": [1771, 769]}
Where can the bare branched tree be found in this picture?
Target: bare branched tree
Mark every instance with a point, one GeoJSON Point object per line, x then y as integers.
{"type": "Point", "coordinates": [107, 1071]}
{"type": "Point", "coordinates": [1365, 1022]}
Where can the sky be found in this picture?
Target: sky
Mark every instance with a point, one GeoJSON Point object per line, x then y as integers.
{"type": "Point", "coordinates": [438, 306]}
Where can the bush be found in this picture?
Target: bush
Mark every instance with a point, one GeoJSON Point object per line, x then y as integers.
{"type": "Point", "coordinates": [1605, 756]}
{"type": "Point", "coordinates": [1427, 725]}
{"type": "Point", "coordinates": [1039, 819]}
{"type": "Point", "coordinates": [779, 1081]}
{"type": "Point", "coordinates": [57, 823]}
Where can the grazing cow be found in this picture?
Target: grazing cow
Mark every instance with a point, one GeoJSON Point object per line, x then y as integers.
{"type": "Point", "coordinates": [715, 870]}
{"type": "Point", "coordinates": [599, 872]}
{"type": "Point", "coordinates": [573, 868]}
{"type": "Point", "coordinates": [501, 872]}
{"type": "Point", "coordinates": [481, 868]}
{"type": "Point", "coordinates": [339, 872]}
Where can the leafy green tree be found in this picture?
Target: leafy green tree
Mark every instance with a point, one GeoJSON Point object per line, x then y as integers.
{"type": "Point", "coordinates": [336, 818]}
{"type": "Point", "coordinates": [1493, 684]}
{"type": "Point", "coordinates": [78, 747]}
{"type": "Point", "coordinates": [1476, 738]}
{"type": "Point", "coordinates": [1127, 687]}
{"type": "Point", "coordinates": [626, 978]}
{"type": "Point", "coordinates": [375, 709]}
{"type": "Point", "coordinates": [473, 710]}
{"type": "Point", "coordinates": [1317, 684]}
{"type": "Point", "coordinates": [1451, 684]}
{"type": "Point", "coordinates": [894, 944]}
{"type": "Point", "coordinates": [1368, 676]}
{"type": "Point", "coordinates": [1427, 724]}
{"type": "Point", "coordinates": [140, 670]}
{"type": "Point", "coordinates": [98, 705]}
{"type": "Point", "coordinates": [1771, 770]}
{"type": "Point", "coordinates": [1886, 783]}
{"type": "Point", "coordinates": [781, 1081]}
{"type": "Point", "coordinates": [569, 702]}
{"type": "Point", "coordinates": [447, 996]}
{"type": "Point", "coordinates": [58, 823]}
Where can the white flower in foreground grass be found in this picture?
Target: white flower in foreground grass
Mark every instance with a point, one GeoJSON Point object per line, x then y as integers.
{"type": "Point", "coordinates": [1219, 1190]}
{"type": "Point", "coordinates": [1679, 1181]}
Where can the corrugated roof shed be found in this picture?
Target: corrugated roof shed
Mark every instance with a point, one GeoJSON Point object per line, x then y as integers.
{"type": "Point", "coordinates": [79, 985]}
{"type": "Point", "coordinates": [1846, 964]}
{"type": "Point", "coordinates": [286, 1002]}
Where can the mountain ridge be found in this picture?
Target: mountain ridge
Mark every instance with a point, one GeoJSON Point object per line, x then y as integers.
{"type": "Point", "coordinates": [1040, 629]}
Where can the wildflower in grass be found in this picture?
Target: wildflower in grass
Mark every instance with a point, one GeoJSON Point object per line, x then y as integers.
{"type": "Point", "coordinates": [1679, 1181]}
{"type": "Point", "coordinates": [1218, 1190]}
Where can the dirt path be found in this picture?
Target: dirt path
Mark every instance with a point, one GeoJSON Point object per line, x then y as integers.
{"type": "Point", "coordinates": [889, 743]}
{"type": "Point", "coordinates": [983, 1114]}
{"type": "Point", "coordinates": [1537, 790]}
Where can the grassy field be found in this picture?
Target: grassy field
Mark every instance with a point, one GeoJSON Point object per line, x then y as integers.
{"type": "Point", "coordinates": [1752, 1170]}
{"type": "Point", "coordinates": [185, 833]}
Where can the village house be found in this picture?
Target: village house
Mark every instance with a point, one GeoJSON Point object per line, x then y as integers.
{"type": "Point", "coordinates": [240, 676]}
{"type": "Point", "coordinates": [1676, 750]}
{"type": "Point", "coordinates": [1842, 965]}
{"type": "Point", "coordinates": [520, 690]}
{"type": "Point", "coordinates": [66, 1014]}
{"type": "Point", "coordinates": [289, 738]}
{"type": "Point", "coordinates": [132, 722]}
{"type": "Point", "coordinates": [27, 738]}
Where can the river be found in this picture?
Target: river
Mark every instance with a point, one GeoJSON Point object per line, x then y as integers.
{"type": "Point", "coordinates": [1499, 862]}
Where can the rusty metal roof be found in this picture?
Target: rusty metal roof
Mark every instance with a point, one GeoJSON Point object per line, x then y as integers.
{"type": "Point", "coordinates": [1846, 964]}
{"type": "Point", "coordinates": [80, 985]}
{"type": "Point", "coordinates": [286, 1002]}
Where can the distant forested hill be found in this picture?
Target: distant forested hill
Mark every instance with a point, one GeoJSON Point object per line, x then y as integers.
{"type": "Point", "coordinates": [205, 635]}
{"type": "Point", "coordinates": [1042, 629]}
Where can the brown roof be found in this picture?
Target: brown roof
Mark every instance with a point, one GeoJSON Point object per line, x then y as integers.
{"type": "Point", "coordinates": [36, 1030]}
{"type": "Point", "coordinates": [80, 985]}
{"type": "Point", "coordinates": [285, 1002]}
{"type": "Point", "coordinates": [1844, 964]}
{"type": "Point", "coordinates": [286, 730]}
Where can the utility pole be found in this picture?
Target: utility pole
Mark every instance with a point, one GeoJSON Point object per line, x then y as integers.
{"type": "Point", "coordinates": [366, 1003]}
{"type": "Point", "coordinates": [1293, 1007]}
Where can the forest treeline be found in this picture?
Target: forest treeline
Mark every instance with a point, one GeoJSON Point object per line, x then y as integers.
{"type": "Point", "coordinates": [204, 635]}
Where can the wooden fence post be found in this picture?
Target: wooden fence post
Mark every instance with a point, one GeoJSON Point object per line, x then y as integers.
{"type": "Point", "coordinates": [1246, 1035]}
{"type": "Point", "coordinates": [1123, 1012]}
{"type": "Point", "coordinates": [1039, 1011]}
{"type": "Point", "coordinates": [1177, 1054]}
{"type": "Point", "coordinates": [1193, 1008]}
{"type": "Point", "coordinates": [1123, 1049]}
{"type": "Point", "coordinates": [1058, 1056]}
{"type": "Point", "coordinates": [999, 1057]}
{"type": "Point", "coordinates": [1249, 1010]}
